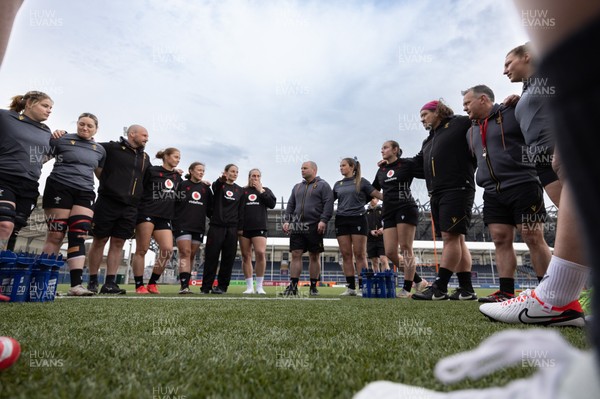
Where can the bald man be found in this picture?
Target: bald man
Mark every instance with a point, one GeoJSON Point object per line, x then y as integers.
{"type": "Point", "coordinates": [119, 194]}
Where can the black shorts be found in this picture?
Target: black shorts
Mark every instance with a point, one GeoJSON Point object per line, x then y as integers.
{"type": "Point", "coordinates": [254, 233]}
{"type": "Point", "coordinates": [408, 214]}
{"type": "Point", "coordinates": [23, 193]}
{"type": "Point", "coordinates": [546, 174]}
{"type": "Point", "coordinates": [113, 219]}
{"type": "Point", "coordinates": [159, 223]}
{"type": "Point", "coordinates": [351, 225]}
{"type": "Point", "coordinates": [188, 235]}
{"type": "Point", "coordinates": [307, 240]}
{"type": "Point", "coordinates": [451, 211]}
{"type": "Point", "coordinates": [516, 205]}
{"type": "Point", "coordinates": [375, 248]}
{"type": "Point", "coordinates": [58, 195]}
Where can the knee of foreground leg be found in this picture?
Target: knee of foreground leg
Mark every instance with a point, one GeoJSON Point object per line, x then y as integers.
{"type": "Point", "coordinates": [79, 226]}
{"type": "Point", "coordinates": [76, 245]}
{"type": "Point", "coordinates": [533, 235]}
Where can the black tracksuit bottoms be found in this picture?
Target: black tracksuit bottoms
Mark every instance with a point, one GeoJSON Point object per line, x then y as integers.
{"type": "Point", "coordinates": [220, 240]}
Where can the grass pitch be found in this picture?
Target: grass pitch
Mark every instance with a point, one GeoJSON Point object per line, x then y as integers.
{"type": "Point", "coordinates": [234, 346]}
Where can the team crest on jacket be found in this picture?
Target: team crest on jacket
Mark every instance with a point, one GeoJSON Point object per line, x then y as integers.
{"type": "Point", "coordinates": [196, 196]}
{"type": "Point", "coordinates": [169, 184]}
{"type": "Point", "coordinates": [229, 193]}
{"type": "Point", "coordinates": [252, 197]}
{"type": "Point", "coordinates": [390, 173]}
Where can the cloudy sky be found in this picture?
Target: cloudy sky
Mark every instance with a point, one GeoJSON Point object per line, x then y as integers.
{"type": "Point", "coordinates": [265, 84]}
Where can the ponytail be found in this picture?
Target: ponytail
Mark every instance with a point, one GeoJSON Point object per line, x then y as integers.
{"type": "Point", "coordinates": [19, 101]}
{"type": "Point", "coordinates": [355, 165]}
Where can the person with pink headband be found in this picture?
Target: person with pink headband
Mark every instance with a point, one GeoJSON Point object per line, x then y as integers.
{"type": "Point", "coordinates": [449, 169]}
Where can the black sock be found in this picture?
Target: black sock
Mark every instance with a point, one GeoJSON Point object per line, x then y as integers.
{"type": "Point", "coordinates": [417, 279]}
{"type": "Point", "coordinates": [76, 278]}
{"type": "Point", "coordinates": [185, 279]}
{"type": "Point", "coordinates": [360, 283]}
{"type": "Point", "coordinates": [443, 277]}
{"type": "Point", "coordinates": [110, 278]}
{"type": "Point", "coordinates": [464, 281]}
{"type": "Point", "coordinates": [154, 278]}
{"type": "Point", "coordinates": [93, 278]}
{"type": "Point", "coordinates": [540, 278]}
{"type": "Point", "coordinates": [351, 280]}
{"type": "Point", "coordinates": [313, 282]}
{"type": "Point", "coordinates": [507, 285]}
{"type": "Point", "coordinates": [139, 281]}
{"type": "Point", "coordinates": [407, 285]}
{"type": "Point", "coordinates": [294, 282]}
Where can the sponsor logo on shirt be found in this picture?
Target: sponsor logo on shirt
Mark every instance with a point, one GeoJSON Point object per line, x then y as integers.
{"type": "Point", "coordinates": [196, 198]}
{"type": "Point", "coordinates": [390, 176]}
{"type": "Point", "coordinates": [229, 195]}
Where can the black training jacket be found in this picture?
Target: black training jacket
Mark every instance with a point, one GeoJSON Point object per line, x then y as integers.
{"type": "Point", "coordinates": [193, 206]}
{"type": "Point", "coordinates": [227, 203]}
{"type": "Point", "coordinates": [448, 163]}
{"type": "Point", "coordinates": [123, 172]}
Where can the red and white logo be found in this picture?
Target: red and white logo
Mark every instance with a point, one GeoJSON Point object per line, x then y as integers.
{"type": "Point", "coordinates": [196, 196]}
{"type": "Point", "coordinates": [169, 184]}
{"type": "Point", "coordinates": [390, 173]}
{"type": "Point", "coordinates": [252, 197]}
{"type": "Point", "coordinates": [229, 193]}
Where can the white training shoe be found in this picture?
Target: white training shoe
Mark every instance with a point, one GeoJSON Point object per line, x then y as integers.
{"type": "Point", "coordinates": [403, 294]}
{"type": "Point", "coordinates": [527, 308]}
{"type": "Point", "coordinates": [563, 371]}
{"type": "Point", "coordinates": [260, 291]}
{"type": "Point", "coordinates": [348, 292]}
{"type": "Point", "coordinates": [79, 290]}
{"type": "Point", "coordinates": [422, 286]}
{"type": "Point", "coordinates": [248, 291]}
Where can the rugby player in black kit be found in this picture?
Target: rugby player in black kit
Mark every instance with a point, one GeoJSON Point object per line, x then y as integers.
{"type": "Point", "coordinates": [192, 208]}
{"type": "Point", "coordinates": [225, 225]}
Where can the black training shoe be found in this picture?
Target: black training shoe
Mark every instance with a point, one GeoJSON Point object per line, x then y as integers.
{"type": "Point", "coordinates": [93, 286]}
{"type": "Point", "coordinates": [431, 293]}
{"type": "Point", "coordinates": [461, 294]}
{"type": "Point", "coordinates": [217, 291]}
{"type": "Point", "coordinates": [498, 296]}
{"type": "Point", "coordinates": [313, 291]}
{"type": "Point", "coordinates": [112, 289]}
{"type": "Point", "coordinates": [289, 291]}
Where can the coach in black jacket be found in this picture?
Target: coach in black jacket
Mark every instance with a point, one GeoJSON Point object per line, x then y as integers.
{"type": "Point", "coordinates": [449, 169]}
{"type": "Point", "coordinates": [119, 193]}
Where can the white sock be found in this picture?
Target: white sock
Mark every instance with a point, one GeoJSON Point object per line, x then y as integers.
{"type": "Point", "coordinates": [563, 282]}
{"type": "Point", "coordinates": [249, 283]}
{"type": "Point", "coordinates": [259, 282]}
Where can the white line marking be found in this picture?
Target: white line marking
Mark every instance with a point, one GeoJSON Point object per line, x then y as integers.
{"type": "Point", "coordinates": [187, 298]}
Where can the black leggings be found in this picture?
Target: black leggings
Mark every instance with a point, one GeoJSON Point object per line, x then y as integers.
{"type": "Point", "coordinates": [219, 241]}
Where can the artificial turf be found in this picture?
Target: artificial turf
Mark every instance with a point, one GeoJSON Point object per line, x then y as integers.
{"type": "Point", "coordinates": [231, 346]}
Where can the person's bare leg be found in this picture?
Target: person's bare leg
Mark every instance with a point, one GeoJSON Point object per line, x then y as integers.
{"type": "Point", "coordinates": [568, 270]}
